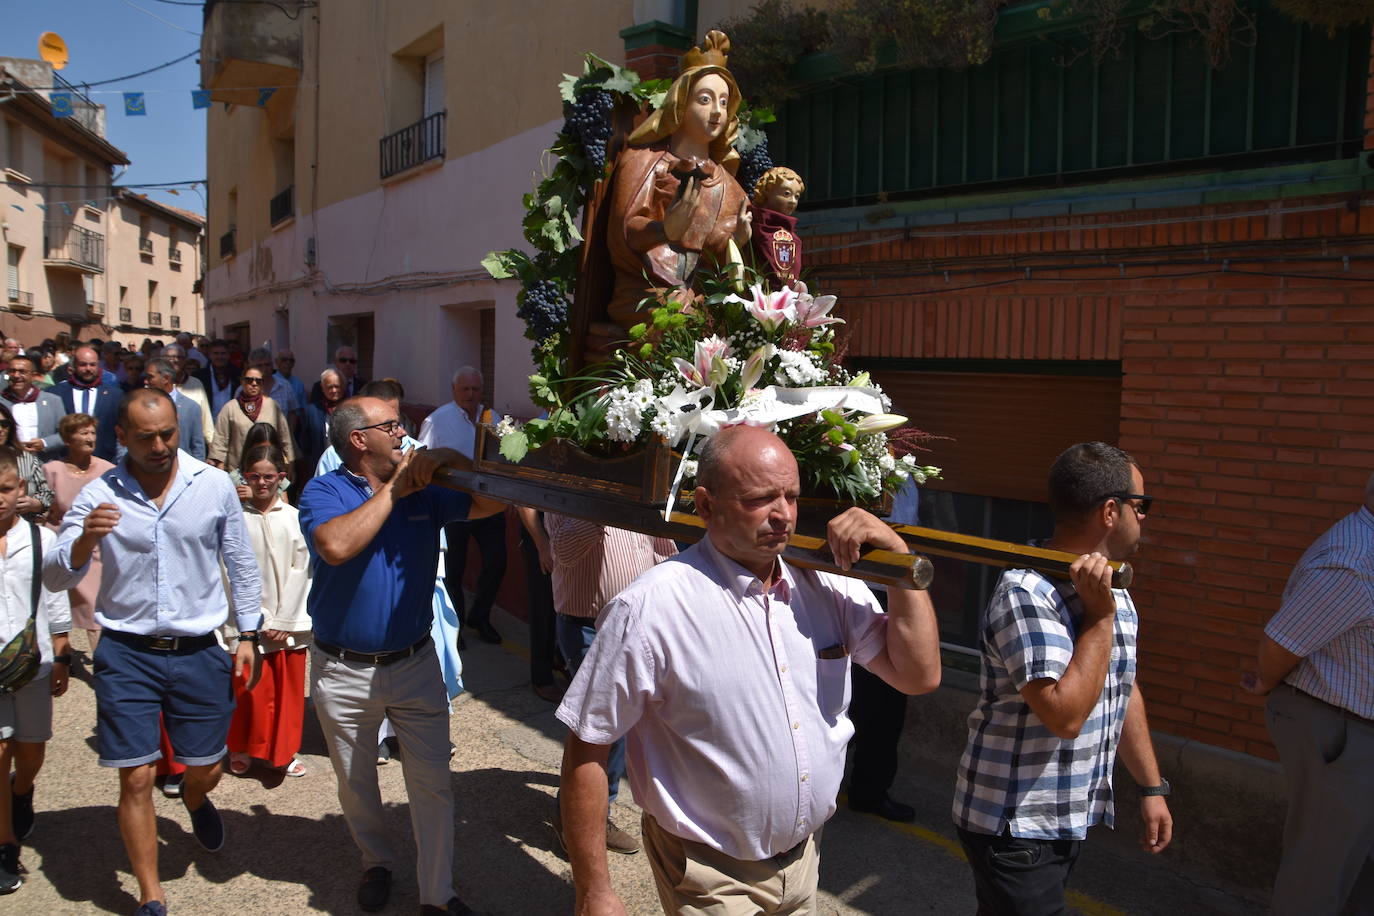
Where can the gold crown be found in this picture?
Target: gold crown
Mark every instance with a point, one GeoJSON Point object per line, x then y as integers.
{"type": "Point", "coordinates": [715, 54]}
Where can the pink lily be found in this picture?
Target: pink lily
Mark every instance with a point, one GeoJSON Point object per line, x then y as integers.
{"type": "Point", "coordinates": [707, 369]}
{"type": "Point", "coordinates": [770, 309]}
{"type": "Point", "coordinates": [814, 311]}
{"type": "Point", "coordinates": [753, 367]}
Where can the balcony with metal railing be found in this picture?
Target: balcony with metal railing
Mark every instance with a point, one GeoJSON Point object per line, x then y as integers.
{"type": "Point", "coordinates": [145, 247]}
{"type": "Point", "coordinates": [19, 300]}
{"type": "Point", "coordinates": [174, 255]}
{"type": "Point", "coordinates": [68, 245]}
{"type": "Point", "coordinates": [154, 319]}
{"type": "Point", "coordinates": [95, 309]}
{"type": "Point", "coordinates": [176, 322]}
{"type": "Point", "coordinates": [126, 316]}
{"type": "Point", "coordinates": [410, 146]}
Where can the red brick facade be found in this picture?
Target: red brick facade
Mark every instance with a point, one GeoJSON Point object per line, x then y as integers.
{"type": "Point", "coordinates": [654, 62]}
{"type": "Point", "coordinates": [1246, 344]}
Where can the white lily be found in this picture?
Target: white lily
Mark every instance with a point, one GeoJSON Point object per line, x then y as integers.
{"type": "Point", "coordinates": [879, 422]}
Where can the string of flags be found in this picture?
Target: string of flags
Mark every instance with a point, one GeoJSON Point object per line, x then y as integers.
{"type": "Point", "coordinates": [136, 103]}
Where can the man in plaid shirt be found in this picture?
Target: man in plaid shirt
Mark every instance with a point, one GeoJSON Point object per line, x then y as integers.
{"type": "Point", "coordinates": [1058, 698]}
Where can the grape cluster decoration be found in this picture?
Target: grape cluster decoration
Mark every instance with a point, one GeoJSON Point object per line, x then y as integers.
{"type": "Point", "coordinates": [589, 122]}
{"type": "Point", "coordinates": [754, 161]}
{"type": "Point", "coordinates": [543, 308]}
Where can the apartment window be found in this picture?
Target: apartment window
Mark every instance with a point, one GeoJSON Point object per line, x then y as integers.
{"type": "Point", "coordinates": [171, 303]}
{"type": "Point", "coordinates": [88, 286]}
{"type": "Point", "coordinates": [152, 295]}
{"type": "Point", "coordinates": [282, 206]}
{"type": "Point", "coordinates": [434, 84]}
{"type": "Point", "coordinates": [227, 245]}
{"type": "Point", "coordinates": [416, 109]}
{"type": "Point", "coordinates": [12, 271]}
{"type": "Point", "coordinates": [123, 297]}
{"type": "Point", "coordinates": [145, 239]}
{"type": "Point", "coordinates": [14, 146]}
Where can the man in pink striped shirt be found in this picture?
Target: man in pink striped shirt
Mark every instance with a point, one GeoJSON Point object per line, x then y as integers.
{"type": "Point", "coordinates": [727, 671]}
{"type": "Point", "coordinates": [591, 565]}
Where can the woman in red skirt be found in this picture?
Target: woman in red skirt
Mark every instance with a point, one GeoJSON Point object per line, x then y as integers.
{"type": "Point", "coordinates": [267, 723]}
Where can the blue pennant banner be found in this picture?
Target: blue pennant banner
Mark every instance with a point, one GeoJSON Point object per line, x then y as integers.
{"type": "Point", "coordinates": [134, 104]}
{"type": "Point", "coordinates": [264, 95]}
{"type": "Point", "coordinates": [61, 104]}
{"type": "Point", "coordinates": [200, 98]}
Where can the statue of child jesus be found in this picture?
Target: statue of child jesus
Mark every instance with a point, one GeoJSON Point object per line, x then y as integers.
{"type": "Point", "coordinates": [777, 247]}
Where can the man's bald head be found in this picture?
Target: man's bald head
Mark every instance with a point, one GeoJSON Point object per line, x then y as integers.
{"type": "Point", "coordinates": [747, 489]}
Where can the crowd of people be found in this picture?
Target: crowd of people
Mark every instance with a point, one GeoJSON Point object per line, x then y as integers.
{"type": "Point", "coordinates": [211, 525]}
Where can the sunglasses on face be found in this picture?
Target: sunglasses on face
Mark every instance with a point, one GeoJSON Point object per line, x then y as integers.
{"type": "Point", "coordinates": [252, 380]}
{"type": "Point", "coordinates": [1142, 506]}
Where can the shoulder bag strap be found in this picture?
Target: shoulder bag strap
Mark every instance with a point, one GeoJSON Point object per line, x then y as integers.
{"type": "Point", "coordinates": [37, 569]}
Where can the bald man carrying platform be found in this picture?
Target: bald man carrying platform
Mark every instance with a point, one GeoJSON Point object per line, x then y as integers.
{"type": "Point", "coordinates": [727, 670]}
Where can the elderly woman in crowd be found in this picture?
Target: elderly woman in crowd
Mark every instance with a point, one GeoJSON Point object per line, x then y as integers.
{"type": "Point", "coordinates": [67, 477]}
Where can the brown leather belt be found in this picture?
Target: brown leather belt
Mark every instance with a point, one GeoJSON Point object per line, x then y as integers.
{"type": "Point", "coordinates": [372, 658]}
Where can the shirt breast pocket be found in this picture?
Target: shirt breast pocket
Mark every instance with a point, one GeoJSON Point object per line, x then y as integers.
{"type": "Point", "coordinates": [832, 686]}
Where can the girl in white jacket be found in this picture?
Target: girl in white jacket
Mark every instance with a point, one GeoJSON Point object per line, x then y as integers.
{"type": "Point", "coordinates": [267, 723]}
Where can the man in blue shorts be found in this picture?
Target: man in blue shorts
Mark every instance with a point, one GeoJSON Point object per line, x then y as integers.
{"type": "Point", "coordinates": [164, 522]}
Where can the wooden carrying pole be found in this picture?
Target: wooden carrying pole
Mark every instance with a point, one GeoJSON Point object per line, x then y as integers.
{"type": "Point", "coordinates": [805, 549]}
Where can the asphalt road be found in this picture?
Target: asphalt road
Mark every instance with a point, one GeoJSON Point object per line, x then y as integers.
{"type": "Point", "coordinates": [288, 849]}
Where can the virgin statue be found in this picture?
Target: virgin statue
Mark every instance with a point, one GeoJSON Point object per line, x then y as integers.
{"type": "Point", "coordinates": [674, 203]}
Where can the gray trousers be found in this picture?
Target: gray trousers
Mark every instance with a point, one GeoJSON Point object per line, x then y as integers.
{"type": "Point", "coordinates": [1328, 837]}
{"type": "Point", "coordinates": [351, 699]}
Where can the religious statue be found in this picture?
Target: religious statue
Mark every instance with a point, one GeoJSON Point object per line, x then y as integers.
{"type": "Point", "coordinates": [777, 247]}
{"type": "Point", "coordinates": [673, 202]}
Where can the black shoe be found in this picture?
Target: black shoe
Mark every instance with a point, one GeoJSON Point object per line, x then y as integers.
{"type": "Point", "coordinates": [152, 908]}
{"type": "Point", "coordinates": [375, 889]}
{"type": "Point", "coordinates": [22, 812]}
{"type": "Point", "coordinates": [487, 633]}
{"type": "Point", "coordinates": [454, 906]}
{"type": "Point", "coordinates": [884, 807]}
{"type": "Point", "coordinates": [9, 869]}
{"type": "Point", "coordinates": [207, 826]}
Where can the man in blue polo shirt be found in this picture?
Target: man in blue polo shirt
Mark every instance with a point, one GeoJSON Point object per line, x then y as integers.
{"type": "Point", "coordinates": [373, 530]}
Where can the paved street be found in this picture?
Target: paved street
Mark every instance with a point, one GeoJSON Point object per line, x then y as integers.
{"type": "Point", "coordinates": [289, 851]}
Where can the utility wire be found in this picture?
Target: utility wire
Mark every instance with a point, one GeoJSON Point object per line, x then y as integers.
{"type": "Point", "coordinates": [166, 22]}
{"type": "Point", "coordinates": [69, 87]}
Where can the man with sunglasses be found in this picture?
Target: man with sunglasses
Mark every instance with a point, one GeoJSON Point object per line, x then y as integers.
{"type": "Point", "coordinates": [372, 527]}
{"type": "Point", "coordinates": [346, 363]}
{"type": "Point", "coordinates": [1059, 698]}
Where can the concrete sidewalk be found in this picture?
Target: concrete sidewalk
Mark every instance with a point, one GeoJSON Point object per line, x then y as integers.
{"type": "Point", "coordinates": [289, 851]}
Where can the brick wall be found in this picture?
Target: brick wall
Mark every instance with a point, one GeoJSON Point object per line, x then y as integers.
{"type": "Point", "coordinates": [1247, 351]}
{"type": "Point", "coordinates": [654, 62]}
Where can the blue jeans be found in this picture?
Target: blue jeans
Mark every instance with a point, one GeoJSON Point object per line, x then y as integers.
{"type": "Point", "coordinates": [574, 636]}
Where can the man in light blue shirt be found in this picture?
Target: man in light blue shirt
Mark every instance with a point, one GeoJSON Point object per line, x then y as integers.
{"type": "Point", "coordinates": [164, 522]}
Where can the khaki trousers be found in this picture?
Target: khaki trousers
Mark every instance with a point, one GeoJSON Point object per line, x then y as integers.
{"type": "Point", "coordinates": [1328, 837]}
{"type": "Point", "coordinates": [351, 699]}
{"type": "Point", "coordinates": [692, 878]}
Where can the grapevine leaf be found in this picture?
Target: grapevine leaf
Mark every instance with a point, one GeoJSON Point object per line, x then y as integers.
{"type": "Point", "coordinates": [514, 446]}
{"type": "Point", "coordinates": [497, 265]}
{"type": "Point", "coordinates": [567, 86]}
{"type": "Point", "coordinates": [761, 116]}
{"type": "Point", "coordinates": [621, 82]}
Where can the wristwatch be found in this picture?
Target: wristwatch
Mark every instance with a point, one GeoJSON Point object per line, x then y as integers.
{"type": "Point", "coordinates": [1161, 789]}
{"type": "Point", "coordinates": [249, 636]}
